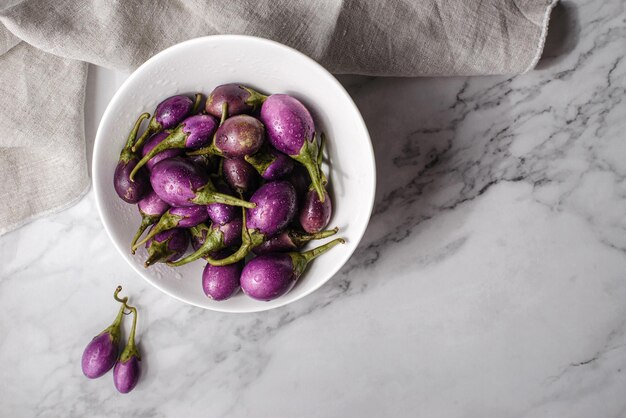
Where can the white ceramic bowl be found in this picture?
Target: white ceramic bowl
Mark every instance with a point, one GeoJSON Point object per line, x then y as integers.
{"type": "Point", "coordinates": [199, 65]}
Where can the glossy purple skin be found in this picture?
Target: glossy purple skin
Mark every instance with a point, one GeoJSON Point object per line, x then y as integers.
{"type": "Point", "coordinates": [280, 243]}
{"type": "Point", "coordinates": [200, 130]}
{"type": "Point", "coordinates": [239, 136]}
{"type": "Point", "coordinates": [275, 208]}
{"type": "Point", "coordinates": [126, 374]}
{"type": "Point", "coordinates": [287, 122]}
{"type": "Point", "coordinates": [99, 356]}
{"type": "Point", "coordinates": [221, 282]}
{"type": "Point", "coordinates": [152, 204]}
{"type": "Point", "coordinates": [221, 213]}
{"type": "Point", "coordinates": [281, 167]}
{"type": "Point", "coordinates": [268, 277]}
{"type": "Point", "coordinates": [130, 191]}
{"type": "Point", "coordinates": [152, 142]}
{"type": "Point", "coordinates": [171, 111]}
{"type": "Point", "coordinates": [315, 215]}
{"type": "Point", "coordinates": [192, 215]}
{"type": "Point", "coordinates": [177, 241]}
{"type": "Point", "coordinates": [239, 174]}
{"type": "Point", "coordinates": [175, 181]}
{"type": "Point", "coordinates": [232, 94]}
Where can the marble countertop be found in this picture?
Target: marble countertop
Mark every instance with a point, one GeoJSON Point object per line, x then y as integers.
{"type": "Point", "coordinates": [491, 281]}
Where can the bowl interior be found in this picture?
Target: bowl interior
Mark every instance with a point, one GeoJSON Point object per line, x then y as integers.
{"type": "Point", "coordinates": [199, 65]}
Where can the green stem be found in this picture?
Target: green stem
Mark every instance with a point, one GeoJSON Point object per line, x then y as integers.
{"type": "Point", "coordinates": [249, 240]}
{"type": "Point", "coordinates": [301, 238]}
{"type": "Point", "coordinates": [316, 252]}
{"type": "Point", "coordinates": [152, 128]}
{"type": "Point", "coordinates": [127, 152]}
{"type": "Point", "coordinates": [224, 113]}
{"type": "Point", "coordinates": [207, 195]}
{"type": "Point", "coordinates": [213, 241]}
{"type": "Point", "coordinates": [130, 349]}
{"type": "Point", "coordinates": [176, 139]}
{"type": "Point", "coordinates": [146, 221]}
{"type": "Point", "coordinates": [166, 222]}
{"type": "Point", "coordinates": [196, 104]}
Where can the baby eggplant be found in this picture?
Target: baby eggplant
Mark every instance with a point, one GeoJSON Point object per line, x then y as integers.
{"type": "Point", "coordinates": [221, 282]}
{"type": "Point", "coordinates": [270, 276]}
{"type": "Point", "coordinates": [178, 217]}
{"type": "Point", "coordinates": [315, 214]}
{"type": "Point", "coordinates": [127, 370]}
{"type": "Point", "coordinates": [194, 132]}
{"type": "Point", "coordinates": [290, 129]}
{"type": "Point", "coordinates": [169, 113]}
{"type": "Point", "coordinates": [181, 183]}
{"type": "Point", "coordinates": [101, 353]}
{"type": "Point", "coordinates": [238, 99]}
{"type": "Point", "coordinates": [151, 207]}
{"type": "Point", "coordinates": [155, 140]}
{"type": "Point", "coordinates": [270, 163]}
{"type": "Point", "coordinates": [168, 245]}
{"type": "Point", "coordinates": [206, 240]}
{"type": "Point", "coordinates": [290, 240]}
{"type": "Point", "coordinates": [237, 136]}
{"type": "Point", "coordinates": [239, 175]}
{"type": "Point", "coordinates": [275, 208]}
{"type": "Point", "coordinates": [128, 190]}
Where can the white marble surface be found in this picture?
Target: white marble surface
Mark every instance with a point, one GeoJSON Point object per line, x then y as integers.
{"type": "Point", "coordinates": [491, 281]}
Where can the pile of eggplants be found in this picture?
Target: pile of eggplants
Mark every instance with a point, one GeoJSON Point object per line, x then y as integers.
{"type": "Point", "coordinates": [239, 178]}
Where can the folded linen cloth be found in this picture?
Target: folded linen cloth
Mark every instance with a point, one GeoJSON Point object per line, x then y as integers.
{"type": "Point", "coordinates": [44, 47]}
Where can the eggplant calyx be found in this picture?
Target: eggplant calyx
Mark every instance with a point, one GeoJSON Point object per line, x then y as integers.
{"type": "Point", "coordinates": [308, 156]}
{"type": "Point", "coordinates": [157, 251]}
{"type": "Point", "coordinates": [176, 139]}
{"type": "Point", "coordinates": [300, 238]}
{"type": "Point", "coordinates": [213, 241]}
{"type": "Point", "coordinates": [166, 222]}
{"type": "Point", "coordinates": [207, 194]}
{"type": "Point", "coordinates": [261, 160]}
{"type": "Point", "coordinates": [256, 99]}
{"type": "Point", "coordinates": [301, 260]}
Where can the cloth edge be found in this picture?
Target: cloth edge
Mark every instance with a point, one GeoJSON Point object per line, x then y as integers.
{"type": "Point", "coordinates": [47, 212]}
{"type": "Point", "coordinates": [542, 38]}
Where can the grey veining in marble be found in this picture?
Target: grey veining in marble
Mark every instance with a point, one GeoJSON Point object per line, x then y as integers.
{"type": "Point", "coordinates": [490, 282]}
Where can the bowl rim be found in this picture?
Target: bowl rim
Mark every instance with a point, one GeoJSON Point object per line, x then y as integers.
{"type": "Point", "coordinates": [217, 38]}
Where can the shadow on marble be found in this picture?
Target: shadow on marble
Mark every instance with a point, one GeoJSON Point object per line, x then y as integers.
{"type": "Point", "coordinates": [563, 34]}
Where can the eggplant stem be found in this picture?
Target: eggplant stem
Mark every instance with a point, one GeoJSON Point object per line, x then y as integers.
{"type": "Point", "coordinates": [224, 113]}
{"type": "Point", "coordinates": [146, 221]}
{"type": "Point", "coordinates": [165, 223]}
{"type": "Point", "coordinates": [316, 252]}
{"type": "Point", "coordinates": [174, 140]}
{"type": "Point", "coordinates": [196, 103]}
{"type": "Point", "coordinates": [213, 241]}
{"type": "Point", "coordinates": [153, 127]}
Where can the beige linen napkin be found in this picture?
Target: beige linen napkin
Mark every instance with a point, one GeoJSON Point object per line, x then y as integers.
{"type": "Point", "coordinates": [44, 46]}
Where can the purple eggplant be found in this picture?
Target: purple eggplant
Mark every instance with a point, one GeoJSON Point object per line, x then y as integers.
{"type": "Point", "coordinates": [221, 282]}
{"type": "Point", "coordinates": [151, 207]}
{"type": "Point", "coordinates": [194, 132]}
{"type": "Point", "coordinates": [290, 240]}
{"type": "Point", "coordinates": [101, 353]}
{"type": "Point", "coordinates": [166, 246]}
{"type": "Point", "coordinates": [275, 208]}
{"type": "Point", "coordinates": [238, 136]}
{"type": "Point", "coordinates": [128, 190]}
{"type": "Point", "coordinates": [167, 115]}
{"type": "Point", "coordinates": [207, 240]}
{"type": "Point", "coordinates": [290, 129]}
{"type": "Point", "coordinates": [238, 99]}
{"type": "Point", "coordinates": [315, 214]}
{"type": "Point", "coordinates": [239, 175]}
{"type": "Point", "coordinates": [181, 183]}
{"type": "Point", "coordinates": [183, 217]}
{"type": "Point", "coordinates": [155, 140]}
{"type": "Point", "coordinates": [127, 370]}
{"type": "Point", "coordinates": [270, 276]}
{"type": "Point", "coordinates": [270, 163]}
{"type": "Point", "coordinates": [219, 212]}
